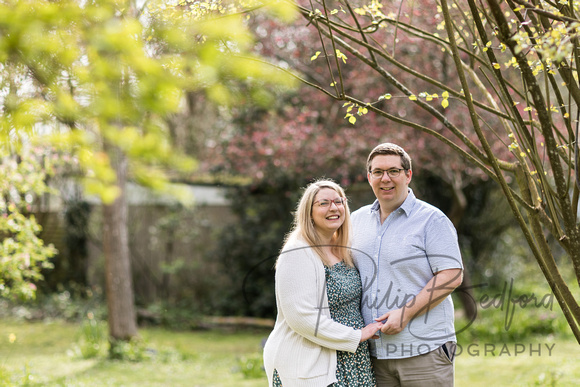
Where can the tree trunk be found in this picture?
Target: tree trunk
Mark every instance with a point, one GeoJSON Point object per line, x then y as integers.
{"type": "Point", "coordinates": [120, 299]}
{"type": "Point", "coordinates": [465, 290]}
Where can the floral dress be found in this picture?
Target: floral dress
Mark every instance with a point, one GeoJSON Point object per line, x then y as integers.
{"type": "Point", "coordinates": [344, 290]}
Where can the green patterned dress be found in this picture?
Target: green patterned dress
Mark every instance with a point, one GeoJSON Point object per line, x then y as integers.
{"type": "Point", "coordinates": [344, 289]}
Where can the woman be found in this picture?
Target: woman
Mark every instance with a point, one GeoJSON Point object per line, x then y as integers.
{"type": "Point", "coordinates": [318, 292]}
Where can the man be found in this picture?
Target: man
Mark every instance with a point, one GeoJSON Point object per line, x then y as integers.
{"type": "Point", "coordinates": [408, 257]}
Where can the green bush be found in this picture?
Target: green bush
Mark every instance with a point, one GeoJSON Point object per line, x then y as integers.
{"type": "Point", "coordinates": [69, 305]}
{"type": "Point", "coordinates": [93, 341]}
{"type": "Point", "coordinates": [251, 366]}
{"type": "Point", "coordinates": [497, 325]}
{"type": "Point", "coordinates": [181, 315]}
{"type": "Point", "coordinates": [23, 253]}
{"type": "Point", "coordinates": [134, 350]}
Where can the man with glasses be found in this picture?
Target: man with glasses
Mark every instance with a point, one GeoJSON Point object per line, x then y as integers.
{"type": "Point", "coordinates": [408, 257]}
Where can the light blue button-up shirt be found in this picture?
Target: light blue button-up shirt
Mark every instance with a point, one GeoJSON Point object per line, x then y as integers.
{"type": "Point", "coordinates": [396, 259]}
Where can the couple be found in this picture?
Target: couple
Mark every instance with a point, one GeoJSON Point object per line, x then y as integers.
{"type": "Point", "coordinates": [409, 262]}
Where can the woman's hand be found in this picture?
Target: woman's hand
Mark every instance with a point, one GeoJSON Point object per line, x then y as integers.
{"type": "Point", "coordinates": [370, 331]}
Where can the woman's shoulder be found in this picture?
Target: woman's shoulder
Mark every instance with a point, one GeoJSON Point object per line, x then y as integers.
{"type": "Point", "coordinates": [297, 250]}
{"type": "Point", "coordinates": [294, 242]}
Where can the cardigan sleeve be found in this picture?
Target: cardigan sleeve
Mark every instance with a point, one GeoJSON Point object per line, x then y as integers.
{"type": "Point", "coordinates": [302, 297]}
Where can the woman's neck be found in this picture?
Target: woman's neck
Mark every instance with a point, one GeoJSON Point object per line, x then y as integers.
{"type": "Point", "coordinates": [325, 239]}
{"type": "Point", "coordinates": [331, 257]}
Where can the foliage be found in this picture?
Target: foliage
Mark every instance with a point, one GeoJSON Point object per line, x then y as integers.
{"type": "Point", "coordinates": [100, 79]}
{"type": "Point", "coordinates": [317, 124]}
{"type": "Point", "coordinates": [251, 366]}
{"type": "Point", "coordinates": [93, 342]}
{"type": "Point", "coordinates": [494, 324]}
{"type": "Point", "coordinates": [64, 305]}
{"type": "Point", "coordinates": [112, 77]}
{"type": "Point", "coordinates": [23, 254]}
{"type": "Point", "coordinates": [124, 70]}
{"type": "Point", "coordinates": [248, 249]}
{"type": "Point", "coordinates": [77, 217]}
{"type": "Point", "coordinates": [70, 266]}
{"type": "Point", "coordinates": [134, 350]}
{"type": "Point", "coordinates": [291, 143]}
{"type": "Point", "coordinates": [93, 339]}
{"type": "Point", "coordinates": [179, 316]}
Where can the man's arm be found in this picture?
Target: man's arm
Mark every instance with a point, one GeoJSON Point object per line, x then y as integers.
{"type": "Point", "coordinates": [435, 291]}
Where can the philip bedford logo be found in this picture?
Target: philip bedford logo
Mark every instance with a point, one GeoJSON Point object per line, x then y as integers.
{"type": "Point", "coordinates": [477, 349]}
{"type": "Point", "coordinates": [392, 297]}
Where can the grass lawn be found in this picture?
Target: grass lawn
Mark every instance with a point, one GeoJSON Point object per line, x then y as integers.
{"type": "Point", "coordinates": [493, 364]}
{"type": "Point", "coordinates": [40, 355]}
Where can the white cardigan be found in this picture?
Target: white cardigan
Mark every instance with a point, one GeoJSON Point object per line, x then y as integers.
{"type": "Point", "coordinates": [302, 347]}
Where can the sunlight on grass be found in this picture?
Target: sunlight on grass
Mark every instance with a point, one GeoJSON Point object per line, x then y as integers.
{"type": "Point", "coordinates": [215, 358]}
{"type": "Point", "coordinates": [39, 356]}
{"type": "Point", "coordinates": [534, 364]}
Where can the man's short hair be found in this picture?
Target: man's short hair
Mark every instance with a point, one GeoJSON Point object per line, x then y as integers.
{"type": "Point", "coordinates": [388, 148]}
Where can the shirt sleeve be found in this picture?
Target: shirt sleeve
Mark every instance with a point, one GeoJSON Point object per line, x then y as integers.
{"type": "Point", "coordinates": [441, 245]}
{"type": "Point", "coordinates": [302, 298]}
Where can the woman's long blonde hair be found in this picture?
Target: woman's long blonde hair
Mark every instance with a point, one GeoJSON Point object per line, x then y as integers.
{"type": "Point", "coordinates": [304, 227]}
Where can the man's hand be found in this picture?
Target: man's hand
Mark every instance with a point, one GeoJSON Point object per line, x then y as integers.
{"type": "Point", "coordinates": [397, 320]}
{"type": "Point", "coordinates": [439, 287]}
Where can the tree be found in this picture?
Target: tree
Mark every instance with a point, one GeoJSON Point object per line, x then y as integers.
{"type": "Point", "coordinates": [516, 67]}
{"type": "Point", "coordinates": [101, 77]}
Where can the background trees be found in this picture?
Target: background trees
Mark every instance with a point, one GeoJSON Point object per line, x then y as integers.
{"type": "Point", "coordinates": [99, 79]}
{"type": "Point", "coordinates": [516, 67]}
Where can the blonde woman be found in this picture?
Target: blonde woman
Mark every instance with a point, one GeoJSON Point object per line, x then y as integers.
{"type": "Point", "coordinates": [319, 338]}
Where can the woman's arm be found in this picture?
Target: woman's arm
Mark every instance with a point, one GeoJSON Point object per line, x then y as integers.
{"type": "Point", "coordinates": [301, 291]}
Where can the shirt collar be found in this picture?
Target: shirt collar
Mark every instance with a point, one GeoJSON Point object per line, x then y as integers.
{"type": "Point", "coordinates": [407, 205]}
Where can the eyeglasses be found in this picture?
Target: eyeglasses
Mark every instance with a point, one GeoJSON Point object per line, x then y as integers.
{"type": "Point", "coordinates": [393, 172]}
{"type": "Point", "coordinates": [327, 203]}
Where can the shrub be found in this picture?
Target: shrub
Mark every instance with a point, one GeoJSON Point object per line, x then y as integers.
{"type": "Point", "coordinates": [498, 325]}
{"type": "Point", "coordinates": [93, 341]}
{"type": "Point", "coordinates": [251, 366]}
{"type": "Point", "coordinates": [134, 350]}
